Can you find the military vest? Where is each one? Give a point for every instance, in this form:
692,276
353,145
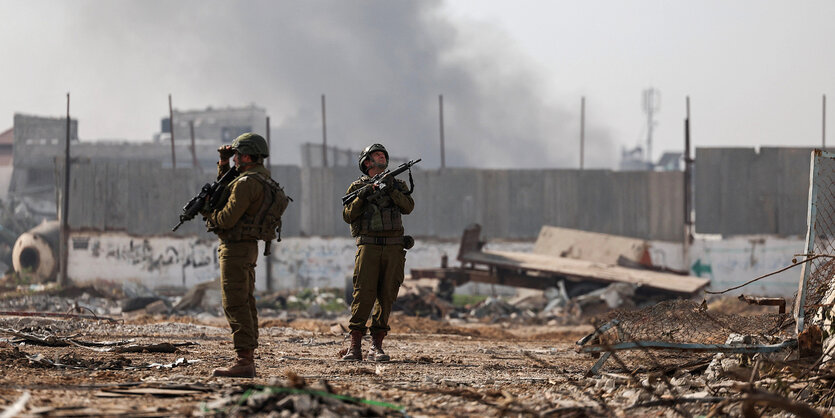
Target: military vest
378,216
265,224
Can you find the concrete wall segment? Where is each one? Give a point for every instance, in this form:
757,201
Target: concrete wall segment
525,204
740,191
142,197
327,262
145,196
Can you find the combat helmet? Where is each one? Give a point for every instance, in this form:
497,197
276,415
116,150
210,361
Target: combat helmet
251,144
367,152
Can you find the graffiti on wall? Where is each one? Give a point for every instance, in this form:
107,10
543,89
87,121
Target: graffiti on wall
329,262
155,257
153,260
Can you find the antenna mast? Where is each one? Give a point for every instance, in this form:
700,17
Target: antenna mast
652,103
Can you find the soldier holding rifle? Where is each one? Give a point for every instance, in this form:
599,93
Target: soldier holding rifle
251,210
374,213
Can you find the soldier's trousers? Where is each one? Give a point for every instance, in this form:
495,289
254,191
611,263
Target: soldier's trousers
237,281
378,274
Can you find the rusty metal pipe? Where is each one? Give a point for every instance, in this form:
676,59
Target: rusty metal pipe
752,300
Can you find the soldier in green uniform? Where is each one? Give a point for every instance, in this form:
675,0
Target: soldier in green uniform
381,251
238,248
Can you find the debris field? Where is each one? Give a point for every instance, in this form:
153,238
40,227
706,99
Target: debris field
160,364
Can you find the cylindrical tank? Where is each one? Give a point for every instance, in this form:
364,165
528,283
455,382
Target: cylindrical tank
35,252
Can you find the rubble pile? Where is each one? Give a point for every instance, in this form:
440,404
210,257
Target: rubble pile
431,298
98,299
494,308
324,303
439,368
729,385
422,301
292,397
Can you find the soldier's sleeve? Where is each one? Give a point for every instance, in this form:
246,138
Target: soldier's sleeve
222,169
241,196
403,201
353,210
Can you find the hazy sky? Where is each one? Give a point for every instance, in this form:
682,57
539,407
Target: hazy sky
512,73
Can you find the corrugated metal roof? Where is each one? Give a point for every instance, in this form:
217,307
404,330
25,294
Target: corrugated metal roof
7,137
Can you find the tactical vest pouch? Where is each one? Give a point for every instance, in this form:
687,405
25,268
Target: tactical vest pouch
382,215
266,224
408,242
376,223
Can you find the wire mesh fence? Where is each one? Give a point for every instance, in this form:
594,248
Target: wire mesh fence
685,321
817,274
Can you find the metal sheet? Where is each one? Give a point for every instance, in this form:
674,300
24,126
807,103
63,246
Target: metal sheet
588,270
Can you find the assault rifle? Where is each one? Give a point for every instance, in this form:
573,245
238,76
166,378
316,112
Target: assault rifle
378,181
212,192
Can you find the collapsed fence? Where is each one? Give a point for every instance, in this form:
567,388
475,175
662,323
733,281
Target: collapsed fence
685,326
817,274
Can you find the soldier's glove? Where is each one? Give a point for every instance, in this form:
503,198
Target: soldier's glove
389,183
226,152
364,193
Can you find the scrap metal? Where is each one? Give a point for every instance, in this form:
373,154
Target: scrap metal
541,271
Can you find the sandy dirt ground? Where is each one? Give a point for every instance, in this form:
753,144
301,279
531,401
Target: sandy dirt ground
437,369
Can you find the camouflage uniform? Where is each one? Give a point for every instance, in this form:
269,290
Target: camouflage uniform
238,249
378,268
238,255
380,257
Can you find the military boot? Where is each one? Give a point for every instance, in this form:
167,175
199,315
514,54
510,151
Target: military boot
244,366
376,352
354,352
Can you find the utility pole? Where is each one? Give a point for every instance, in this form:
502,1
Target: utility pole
269,144
688,192
441,115
65,206
171,124
194,163
823,131
324,135
582,129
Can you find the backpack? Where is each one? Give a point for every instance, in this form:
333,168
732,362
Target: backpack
273,206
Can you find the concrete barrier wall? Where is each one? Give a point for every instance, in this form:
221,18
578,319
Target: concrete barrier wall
321,204
738,191
516,203
141,198
741,191
299,263
144,198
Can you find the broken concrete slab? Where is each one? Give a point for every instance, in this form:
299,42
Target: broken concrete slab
591,246
541,271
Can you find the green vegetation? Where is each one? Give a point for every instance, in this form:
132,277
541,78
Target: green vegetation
329,300
459,300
